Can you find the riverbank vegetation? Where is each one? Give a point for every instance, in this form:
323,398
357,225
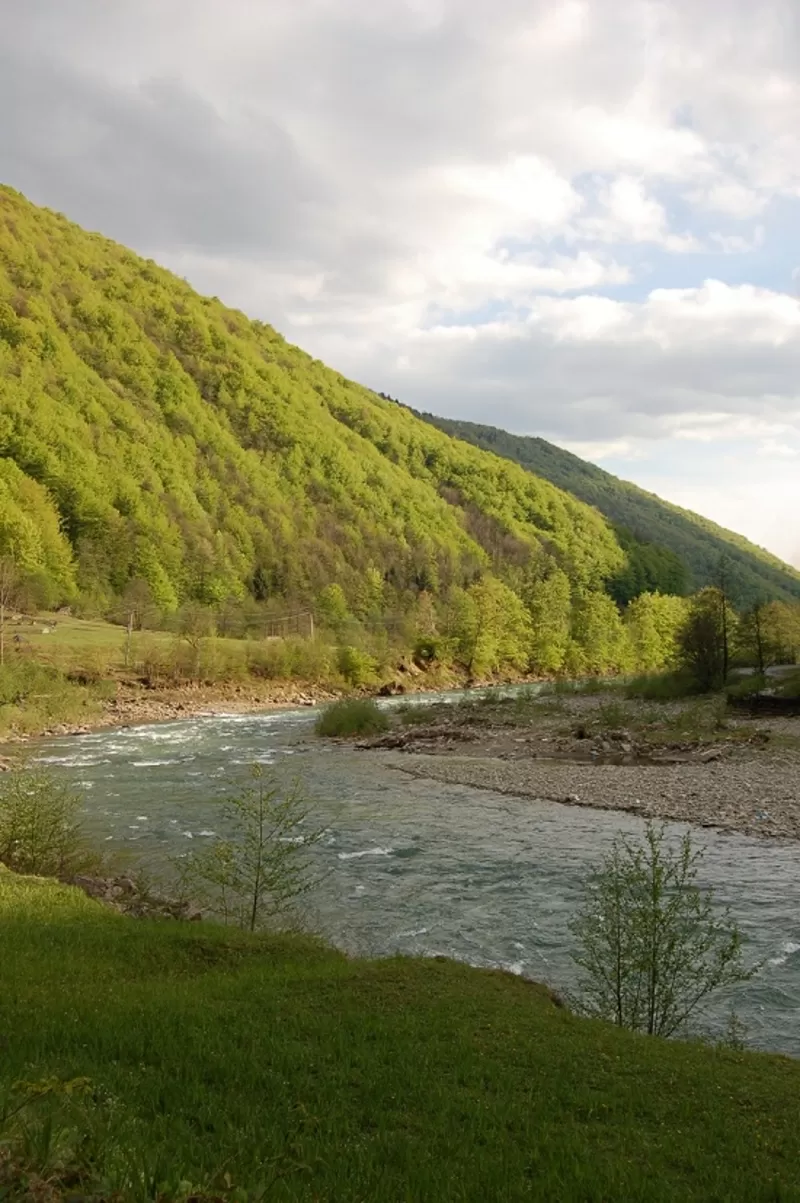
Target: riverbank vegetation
178,1061
61,669
351,717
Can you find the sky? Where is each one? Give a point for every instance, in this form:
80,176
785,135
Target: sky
578,219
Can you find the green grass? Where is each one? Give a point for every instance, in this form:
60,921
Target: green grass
303,1075
350,717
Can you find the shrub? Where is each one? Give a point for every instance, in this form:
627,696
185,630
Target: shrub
357,667
352,716
745,687
416,715
789,687
612,714
427,650
40,831
651,948
258,877
293,658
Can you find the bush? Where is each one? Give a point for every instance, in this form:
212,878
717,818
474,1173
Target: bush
612,715
789,687
651,948
427,650
259,876
34,695
40,830
293,658
352,716
357,667
746,687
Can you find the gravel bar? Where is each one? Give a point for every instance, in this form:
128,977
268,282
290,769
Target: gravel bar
758,797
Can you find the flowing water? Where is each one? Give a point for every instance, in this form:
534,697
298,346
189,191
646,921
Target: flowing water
420,867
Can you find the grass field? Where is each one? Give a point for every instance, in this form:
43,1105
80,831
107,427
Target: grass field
63,670
67,643
220,1065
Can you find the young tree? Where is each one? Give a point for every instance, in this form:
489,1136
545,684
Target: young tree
650,945
40,829
260,872
196,625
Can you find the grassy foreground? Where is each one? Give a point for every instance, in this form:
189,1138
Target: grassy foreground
221,1064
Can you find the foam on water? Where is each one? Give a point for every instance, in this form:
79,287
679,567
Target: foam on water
155,764
788,950
365,852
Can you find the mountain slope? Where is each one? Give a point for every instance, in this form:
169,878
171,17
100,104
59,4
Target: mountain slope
752,572
148,433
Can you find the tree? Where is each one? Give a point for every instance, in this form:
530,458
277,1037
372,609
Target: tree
653,621
10,583
549,605
702,640
782,623
753,642
260,872
196,626
332,609
490,627
722,590
650,945
598,632
40,830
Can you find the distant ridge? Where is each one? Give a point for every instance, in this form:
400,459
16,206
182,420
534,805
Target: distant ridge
753,573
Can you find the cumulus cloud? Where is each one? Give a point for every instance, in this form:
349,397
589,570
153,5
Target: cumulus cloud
557,218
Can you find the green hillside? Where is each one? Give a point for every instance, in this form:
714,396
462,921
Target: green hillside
754,574
149,433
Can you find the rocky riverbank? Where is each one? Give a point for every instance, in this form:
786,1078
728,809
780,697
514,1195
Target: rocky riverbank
686,762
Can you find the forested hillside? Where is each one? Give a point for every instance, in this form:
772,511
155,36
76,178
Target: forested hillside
160,452
698,543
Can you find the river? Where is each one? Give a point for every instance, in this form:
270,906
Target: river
425,868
